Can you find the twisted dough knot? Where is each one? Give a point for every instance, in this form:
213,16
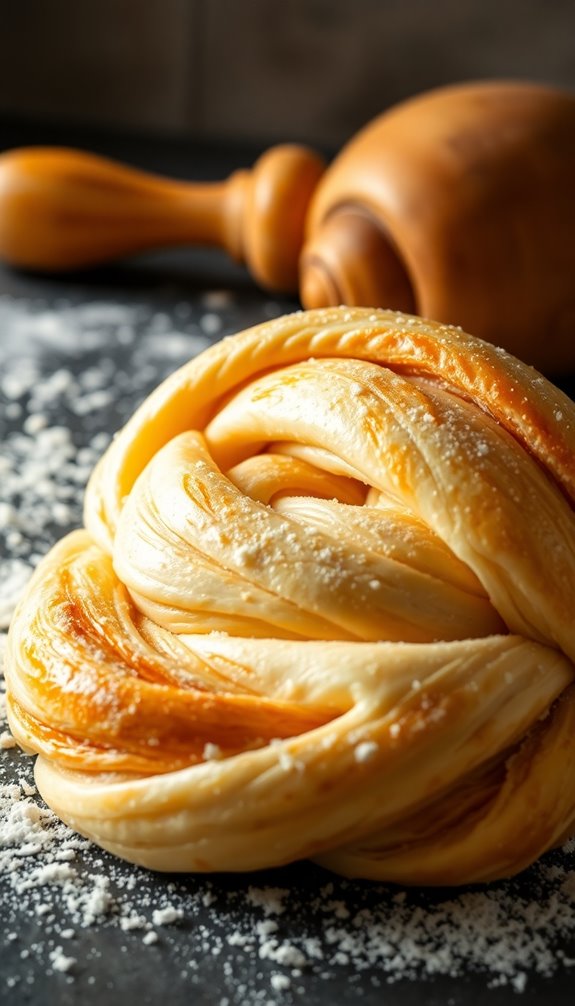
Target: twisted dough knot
323,608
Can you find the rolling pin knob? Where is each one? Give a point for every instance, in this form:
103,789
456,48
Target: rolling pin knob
266,213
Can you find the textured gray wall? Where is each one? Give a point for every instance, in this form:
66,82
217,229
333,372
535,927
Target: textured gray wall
264,69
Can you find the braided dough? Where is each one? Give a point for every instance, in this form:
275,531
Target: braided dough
323,608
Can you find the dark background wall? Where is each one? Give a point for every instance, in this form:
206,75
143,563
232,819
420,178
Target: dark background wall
263,70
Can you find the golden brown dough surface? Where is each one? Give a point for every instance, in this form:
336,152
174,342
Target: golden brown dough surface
323,608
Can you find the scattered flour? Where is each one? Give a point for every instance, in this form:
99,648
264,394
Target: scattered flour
165,916
59,961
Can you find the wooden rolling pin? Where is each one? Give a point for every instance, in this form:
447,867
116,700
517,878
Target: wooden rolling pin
458,205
